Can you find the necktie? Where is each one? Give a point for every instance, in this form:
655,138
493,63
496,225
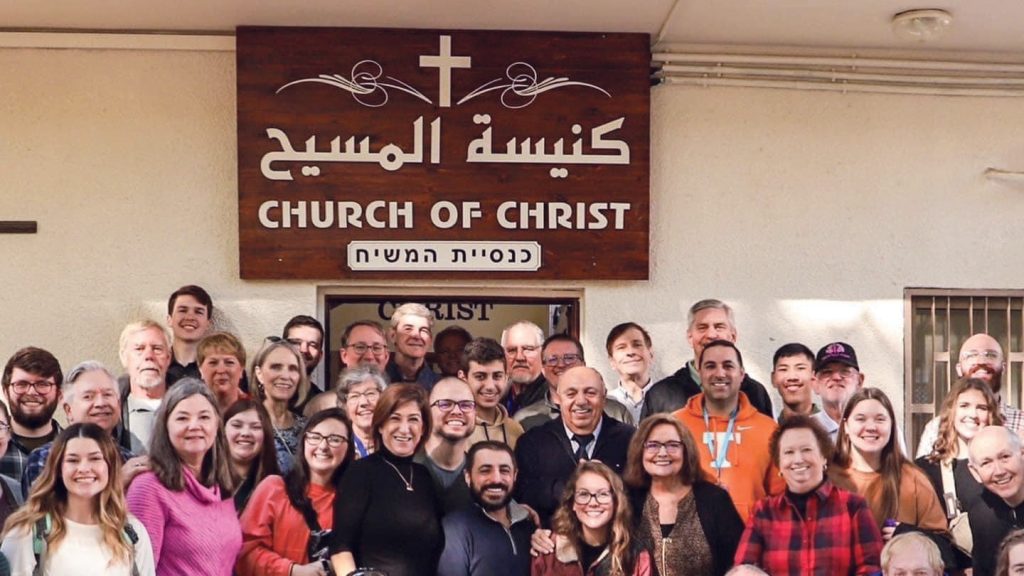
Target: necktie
582,440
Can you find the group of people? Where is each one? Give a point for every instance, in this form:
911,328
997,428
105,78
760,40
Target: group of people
513,457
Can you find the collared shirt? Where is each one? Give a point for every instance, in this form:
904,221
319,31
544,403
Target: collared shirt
15,459
37,460
176,371
590,445
622,396
141,416
837,536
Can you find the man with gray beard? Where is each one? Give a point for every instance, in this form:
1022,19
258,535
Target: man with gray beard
145,354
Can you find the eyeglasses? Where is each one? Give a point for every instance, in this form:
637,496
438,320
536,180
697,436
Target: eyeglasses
449,405
370,396
526,350
654,447
844,372
361,348
333,440
584,497
564,360
976,354
309,343
40,386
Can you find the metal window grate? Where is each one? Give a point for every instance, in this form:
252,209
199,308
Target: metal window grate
937,323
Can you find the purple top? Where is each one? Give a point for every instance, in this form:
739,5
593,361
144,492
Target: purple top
194,532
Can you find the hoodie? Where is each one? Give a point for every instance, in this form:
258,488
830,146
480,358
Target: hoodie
747,472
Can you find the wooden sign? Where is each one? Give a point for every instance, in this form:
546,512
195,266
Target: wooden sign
411,154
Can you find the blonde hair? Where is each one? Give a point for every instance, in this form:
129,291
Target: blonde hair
140,326
49,496
909,541
620,540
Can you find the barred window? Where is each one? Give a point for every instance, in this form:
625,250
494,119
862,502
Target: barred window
938,322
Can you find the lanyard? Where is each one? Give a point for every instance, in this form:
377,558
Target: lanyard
719,458
360,448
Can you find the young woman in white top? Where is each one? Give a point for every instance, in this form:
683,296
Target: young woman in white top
77,513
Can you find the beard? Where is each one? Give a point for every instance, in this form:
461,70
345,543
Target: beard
995,380
487,505
450,437
33,420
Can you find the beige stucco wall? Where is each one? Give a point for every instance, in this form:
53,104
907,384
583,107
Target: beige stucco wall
809,211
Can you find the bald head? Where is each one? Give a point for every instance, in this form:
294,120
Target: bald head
981,357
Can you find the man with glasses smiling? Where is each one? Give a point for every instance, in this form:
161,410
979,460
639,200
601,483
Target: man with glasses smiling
453,418
559,353
31,383
363,343
522,342
981,357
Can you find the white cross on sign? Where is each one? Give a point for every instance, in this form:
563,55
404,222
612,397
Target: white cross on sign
444,62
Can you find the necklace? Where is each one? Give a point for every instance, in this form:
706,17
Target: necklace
412,472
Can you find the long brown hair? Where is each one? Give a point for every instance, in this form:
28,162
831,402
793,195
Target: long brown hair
636,477
164,459
620,540
886,488
947,445
265,463
49,496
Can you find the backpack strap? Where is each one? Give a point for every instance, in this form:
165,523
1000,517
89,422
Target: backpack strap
39,533
132,537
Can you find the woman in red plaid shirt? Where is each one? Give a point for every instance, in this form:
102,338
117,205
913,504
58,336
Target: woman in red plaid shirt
814,527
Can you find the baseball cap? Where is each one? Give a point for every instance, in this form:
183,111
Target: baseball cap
836,352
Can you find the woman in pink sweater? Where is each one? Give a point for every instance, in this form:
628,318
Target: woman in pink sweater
285,527
193,529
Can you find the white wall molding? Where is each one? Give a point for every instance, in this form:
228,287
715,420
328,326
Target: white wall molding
78,40
839,74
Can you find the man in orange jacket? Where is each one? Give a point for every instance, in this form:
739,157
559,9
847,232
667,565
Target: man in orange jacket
731,435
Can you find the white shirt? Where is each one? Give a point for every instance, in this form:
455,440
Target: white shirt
622,396
590,445
81,552
141,418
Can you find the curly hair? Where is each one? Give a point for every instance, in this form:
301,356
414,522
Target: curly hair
49,496
620,540
947,445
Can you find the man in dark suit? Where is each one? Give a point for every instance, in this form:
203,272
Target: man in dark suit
547,455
